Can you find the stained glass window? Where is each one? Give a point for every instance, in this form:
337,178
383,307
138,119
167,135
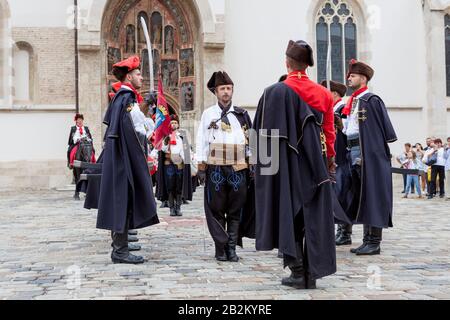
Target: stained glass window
335,24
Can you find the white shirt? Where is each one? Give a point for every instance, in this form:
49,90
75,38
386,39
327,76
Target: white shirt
175,149
440,156
351,124
143,125
78,136
206,136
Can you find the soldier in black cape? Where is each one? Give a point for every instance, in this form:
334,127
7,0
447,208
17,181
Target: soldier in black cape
294,194
343,184
222,156
175,170
369,131
126,192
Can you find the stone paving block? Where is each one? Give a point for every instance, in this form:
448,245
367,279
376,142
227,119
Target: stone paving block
56,243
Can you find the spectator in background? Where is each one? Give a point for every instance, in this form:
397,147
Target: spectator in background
429,144
447,167
402,159
412,179
437,168
420,153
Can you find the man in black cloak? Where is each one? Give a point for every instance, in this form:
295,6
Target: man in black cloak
176,169
369,131
294,204
126,192
222,157
343,184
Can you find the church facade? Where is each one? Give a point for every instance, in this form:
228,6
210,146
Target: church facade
49,69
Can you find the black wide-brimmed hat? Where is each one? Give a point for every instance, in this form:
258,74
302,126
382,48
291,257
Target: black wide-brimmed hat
219,78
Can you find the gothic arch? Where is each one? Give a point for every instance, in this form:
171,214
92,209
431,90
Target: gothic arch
362,32
172,24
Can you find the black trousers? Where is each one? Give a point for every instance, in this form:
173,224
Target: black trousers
173,179
435,171
300,240
227,194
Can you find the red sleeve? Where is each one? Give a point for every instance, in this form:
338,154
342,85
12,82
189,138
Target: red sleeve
329,130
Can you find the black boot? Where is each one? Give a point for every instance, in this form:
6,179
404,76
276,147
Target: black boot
339,231
373,245
134,247
178,206
233,235
365,239
76,196
346,235
297,278
164,204
173,212
121,252
220,253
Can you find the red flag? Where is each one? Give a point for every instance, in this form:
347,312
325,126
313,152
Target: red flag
162,121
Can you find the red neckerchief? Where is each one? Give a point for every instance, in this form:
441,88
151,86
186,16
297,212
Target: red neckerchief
139,98
81,130
340,99
348,108
173,139
116,87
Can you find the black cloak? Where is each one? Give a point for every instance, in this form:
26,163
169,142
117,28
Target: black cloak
300,185
374,206
126,185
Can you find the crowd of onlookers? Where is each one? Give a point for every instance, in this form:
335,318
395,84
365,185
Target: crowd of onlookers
429,168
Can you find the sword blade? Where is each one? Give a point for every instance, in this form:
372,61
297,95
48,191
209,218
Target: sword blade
150,54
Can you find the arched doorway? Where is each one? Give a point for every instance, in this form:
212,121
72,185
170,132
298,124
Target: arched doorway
173,31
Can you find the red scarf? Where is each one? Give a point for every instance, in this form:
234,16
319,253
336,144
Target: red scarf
173,139
348,108
139,98
81,130
116,87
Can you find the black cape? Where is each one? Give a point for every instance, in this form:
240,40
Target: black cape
187,189
247,219
375,206
301,185
126,185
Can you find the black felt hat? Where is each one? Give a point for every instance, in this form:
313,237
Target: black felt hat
219,78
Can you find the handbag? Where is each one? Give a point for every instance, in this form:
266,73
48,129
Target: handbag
432,160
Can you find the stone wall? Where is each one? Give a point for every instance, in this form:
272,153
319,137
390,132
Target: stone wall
54,63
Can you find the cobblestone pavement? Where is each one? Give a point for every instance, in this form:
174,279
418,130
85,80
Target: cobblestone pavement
49,249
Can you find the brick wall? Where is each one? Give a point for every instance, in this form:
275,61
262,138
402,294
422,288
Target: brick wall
54,61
